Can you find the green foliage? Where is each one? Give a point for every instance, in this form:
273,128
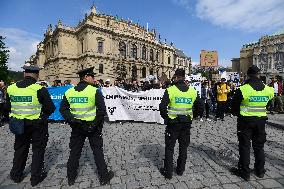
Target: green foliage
4,56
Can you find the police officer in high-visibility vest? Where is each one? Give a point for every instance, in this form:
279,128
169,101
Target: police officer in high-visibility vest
84,109
249,104
29,104
176,108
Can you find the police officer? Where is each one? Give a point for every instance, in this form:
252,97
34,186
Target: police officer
30,103
84,109
176,108
249,104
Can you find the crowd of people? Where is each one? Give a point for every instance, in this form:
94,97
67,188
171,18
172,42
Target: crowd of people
216,96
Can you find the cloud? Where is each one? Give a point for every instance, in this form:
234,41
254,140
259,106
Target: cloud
247,15
21,44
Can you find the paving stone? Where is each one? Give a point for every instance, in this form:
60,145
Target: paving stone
118,186
231,186
256,185
85,184
180,185
194,184
270,183
167,186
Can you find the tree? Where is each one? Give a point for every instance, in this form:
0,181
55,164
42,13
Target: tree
4,56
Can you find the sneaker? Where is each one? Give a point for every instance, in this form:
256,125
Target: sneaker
239,173
106,180
201,120
41,178
207,119
166,175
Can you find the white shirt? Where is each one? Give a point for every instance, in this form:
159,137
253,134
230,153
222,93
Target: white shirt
275,87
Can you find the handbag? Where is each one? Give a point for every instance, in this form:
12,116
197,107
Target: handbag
16,126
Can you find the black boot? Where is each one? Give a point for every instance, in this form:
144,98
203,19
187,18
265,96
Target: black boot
165,174
107,178
240,173
39,180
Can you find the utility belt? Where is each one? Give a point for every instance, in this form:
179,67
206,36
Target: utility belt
88,126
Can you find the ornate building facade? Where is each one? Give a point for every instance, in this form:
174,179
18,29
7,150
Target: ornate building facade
267,53
116,48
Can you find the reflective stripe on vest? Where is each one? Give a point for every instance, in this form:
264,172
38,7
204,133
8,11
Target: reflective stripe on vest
82,103
24,102
181,102
254,102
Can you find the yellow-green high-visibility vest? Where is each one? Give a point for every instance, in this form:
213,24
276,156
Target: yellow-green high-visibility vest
24,102
254,103
181,102
82,103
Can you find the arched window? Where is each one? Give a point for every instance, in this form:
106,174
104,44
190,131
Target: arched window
134,51
143,53
101,68
169,60
151,55
122,49
143,72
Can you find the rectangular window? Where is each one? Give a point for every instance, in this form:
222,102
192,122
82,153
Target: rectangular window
100,47
82,46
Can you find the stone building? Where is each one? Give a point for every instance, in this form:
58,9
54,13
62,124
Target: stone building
267,53
118,49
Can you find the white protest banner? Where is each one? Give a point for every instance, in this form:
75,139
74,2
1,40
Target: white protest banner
196,86
126,105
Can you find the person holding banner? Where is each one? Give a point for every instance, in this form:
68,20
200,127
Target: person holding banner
84,109
30,106
176,108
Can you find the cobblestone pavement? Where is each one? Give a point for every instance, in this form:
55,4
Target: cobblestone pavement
135,151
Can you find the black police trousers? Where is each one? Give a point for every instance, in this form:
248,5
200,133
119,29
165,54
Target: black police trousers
251,131
76,144
35,133
180,132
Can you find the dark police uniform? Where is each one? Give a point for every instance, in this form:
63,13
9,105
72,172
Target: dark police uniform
249,104
35,115
84,109
176,110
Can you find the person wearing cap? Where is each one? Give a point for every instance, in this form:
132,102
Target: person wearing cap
222,97
30,104
249,104
84,109
176,108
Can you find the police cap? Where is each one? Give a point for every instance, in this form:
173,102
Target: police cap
180,72
253,70
31,68
87,71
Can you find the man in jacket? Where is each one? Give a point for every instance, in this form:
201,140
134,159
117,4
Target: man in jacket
31,103
176,110
249,104
83,108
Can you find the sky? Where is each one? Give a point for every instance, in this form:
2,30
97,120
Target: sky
192,25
